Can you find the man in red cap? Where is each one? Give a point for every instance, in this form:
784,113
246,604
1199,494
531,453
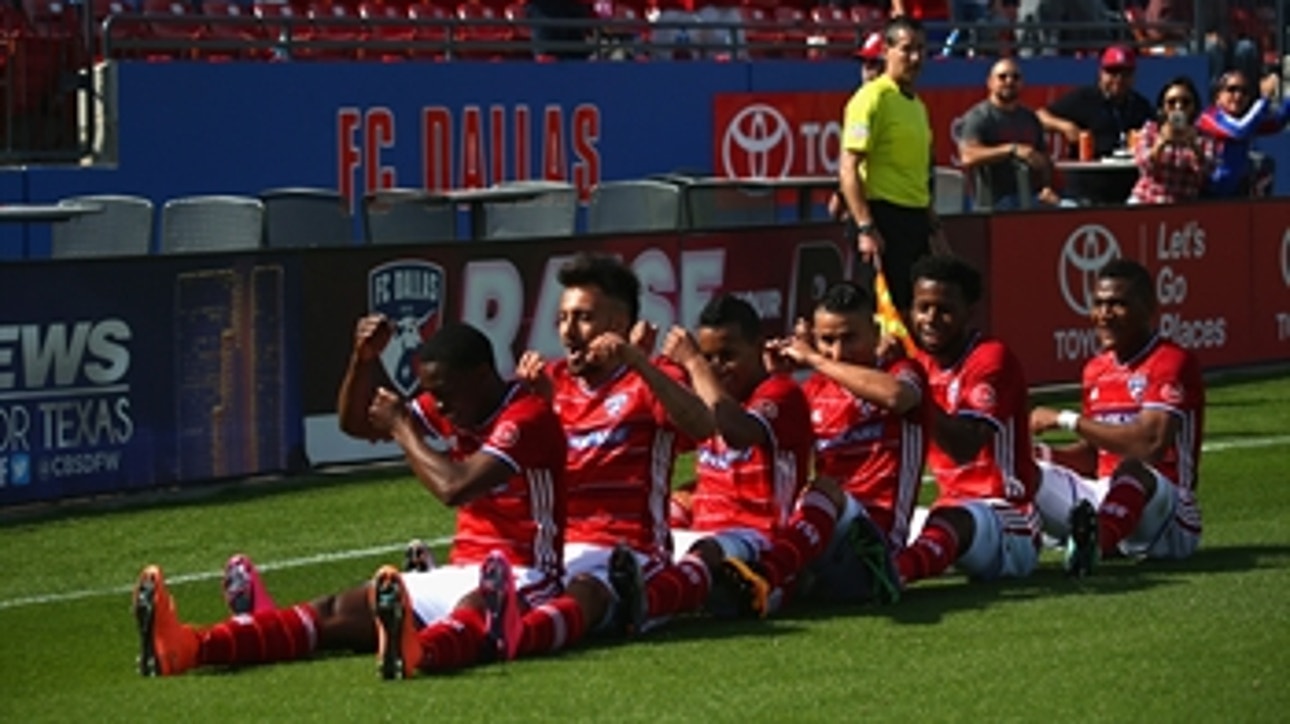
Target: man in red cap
872,56
1108,110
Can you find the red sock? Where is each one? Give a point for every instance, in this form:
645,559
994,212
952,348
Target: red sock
1120,512
283,634
554,625
933,552
678,588
803,540
453,641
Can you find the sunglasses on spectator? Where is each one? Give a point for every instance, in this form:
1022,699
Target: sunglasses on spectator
1008,76
1118,70
1178,102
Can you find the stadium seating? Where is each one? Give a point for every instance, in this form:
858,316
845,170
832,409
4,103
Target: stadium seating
634,206
123,227
232,33
211,223
305,217
408,216
430,30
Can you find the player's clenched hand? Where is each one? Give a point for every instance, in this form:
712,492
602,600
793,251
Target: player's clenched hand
869,244
609,348
385,411
371,334
1043,419
797,348
531,370
644,336
680,347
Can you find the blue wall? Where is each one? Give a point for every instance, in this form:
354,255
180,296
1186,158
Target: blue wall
190,128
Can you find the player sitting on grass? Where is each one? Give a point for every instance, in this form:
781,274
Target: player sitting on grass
750,472
487,447
1128,484
624,415
982,521
870,413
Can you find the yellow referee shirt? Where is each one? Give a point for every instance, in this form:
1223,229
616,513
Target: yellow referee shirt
891,130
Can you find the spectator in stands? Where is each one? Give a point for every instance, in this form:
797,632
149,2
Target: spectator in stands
550,37
1213,24
1036,19
1108,110
1233,121
1173,158
872,56
885,164
1003,144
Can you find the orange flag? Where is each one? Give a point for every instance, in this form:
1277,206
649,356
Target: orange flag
888,317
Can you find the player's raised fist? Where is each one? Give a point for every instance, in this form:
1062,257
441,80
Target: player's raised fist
371,334
680,346
385,410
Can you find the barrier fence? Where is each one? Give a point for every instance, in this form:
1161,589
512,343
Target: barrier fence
218,365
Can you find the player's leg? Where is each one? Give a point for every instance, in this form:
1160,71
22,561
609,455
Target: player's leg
435,620
586,604
768,579
1145,514
1004,543
1060,490
168,646
948,530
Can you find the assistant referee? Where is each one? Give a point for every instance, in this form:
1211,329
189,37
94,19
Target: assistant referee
886,165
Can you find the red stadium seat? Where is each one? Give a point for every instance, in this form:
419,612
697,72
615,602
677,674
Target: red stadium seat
389,31
336,31
230,31
430,30
764,36
281,22
53,18
832,28
174,25
480,34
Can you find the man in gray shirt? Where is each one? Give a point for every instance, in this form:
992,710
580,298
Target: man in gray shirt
1001,140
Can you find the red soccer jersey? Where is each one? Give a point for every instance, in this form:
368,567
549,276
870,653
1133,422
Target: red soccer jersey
986,383
876,455
621,450
525,517
756,487
1162,376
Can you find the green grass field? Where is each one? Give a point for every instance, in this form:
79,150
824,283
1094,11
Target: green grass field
1207,639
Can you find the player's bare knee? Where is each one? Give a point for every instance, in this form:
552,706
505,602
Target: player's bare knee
958,520
593,598
710,552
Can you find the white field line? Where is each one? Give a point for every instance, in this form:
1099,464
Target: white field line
1210,447
181,578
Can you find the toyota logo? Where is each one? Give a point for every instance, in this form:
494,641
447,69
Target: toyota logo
1285,257
758,143
1087,250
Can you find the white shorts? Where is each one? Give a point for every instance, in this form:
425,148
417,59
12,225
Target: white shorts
1006,543
746,544
436,592
592,560
1170,526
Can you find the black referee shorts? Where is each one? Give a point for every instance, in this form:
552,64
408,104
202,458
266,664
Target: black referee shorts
905,232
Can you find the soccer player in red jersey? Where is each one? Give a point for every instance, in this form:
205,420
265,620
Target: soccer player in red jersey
870,415
625,415
485,446
983,520
750,473
1128,484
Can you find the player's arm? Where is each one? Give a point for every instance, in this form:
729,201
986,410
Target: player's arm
683,407
1079,455
736,425
1147,437
454,483
531,370
358,388
871,385
960,436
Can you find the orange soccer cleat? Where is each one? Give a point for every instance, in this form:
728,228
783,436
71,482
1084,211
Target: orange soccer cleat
167,647
398,652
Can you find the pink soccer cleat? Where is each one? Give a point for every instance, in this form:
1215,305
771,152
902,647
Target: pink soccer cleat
244,592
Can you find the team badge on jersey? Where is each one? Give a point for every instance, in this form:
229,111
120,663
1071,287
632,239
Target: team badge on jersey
982,397
505,435
1137,387
410,293
615,404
